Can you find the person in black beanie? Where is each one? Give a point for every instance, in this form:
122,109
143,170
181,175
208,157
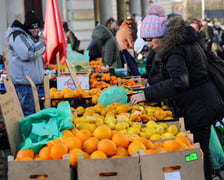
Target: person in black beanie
25,49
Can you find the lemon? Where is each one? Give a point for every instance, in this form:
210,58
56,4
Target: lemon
167,135
121,125
155,137
80,110
74,131
172,129
159,129
165,126
133,131
112,125
181,134
137,125
85,126
123,131
150,124
99,122
149,133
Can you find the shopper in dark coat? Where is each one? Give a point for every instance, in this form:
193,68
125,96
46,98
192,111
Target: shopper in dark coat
110,51
186,78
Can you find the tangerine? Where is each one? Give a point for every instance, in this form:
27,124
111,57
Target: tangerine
121,152
72,142
83,135
90,145
58,150
24,153
102,132
183,139
107,146
171,145
73,156
98,155
120,140
44,153
135,146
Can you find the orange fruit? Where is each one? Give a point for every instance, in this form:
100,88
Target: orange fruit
158,144
122,109
24,159
102,132
150,151
55,141
120,140
160,114
98,155
135,146
95,99
107,146
41,177
183,139
171,145
83,135
72,142
58,95
25,154
67,132
73,156
143,140
121,152
44,153
58,150
90,145
86,155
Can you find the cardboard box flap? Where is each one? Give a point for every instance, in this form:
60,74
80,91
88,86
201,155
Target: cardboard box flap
110,169
12,113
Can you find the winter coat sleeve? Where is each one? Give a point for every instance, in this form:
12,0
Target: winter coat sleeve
178,80
27,50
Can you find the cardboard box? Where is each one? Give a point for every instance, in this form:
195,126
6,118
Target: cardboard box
188,163
126,168
67,82
25,170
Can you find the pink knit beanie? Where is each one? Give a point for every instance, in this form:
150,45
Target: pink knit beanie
154,24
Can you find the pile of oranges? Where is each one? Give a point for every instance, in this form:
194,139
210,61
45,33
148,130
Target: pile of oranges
101,143
102,80
93,95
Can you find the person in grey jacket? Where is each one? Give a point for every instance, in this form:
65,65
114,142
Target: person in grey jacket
25,49
110,51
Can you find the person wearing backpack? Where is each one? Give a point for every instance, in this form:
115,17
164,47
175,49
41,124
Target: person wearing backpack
186,77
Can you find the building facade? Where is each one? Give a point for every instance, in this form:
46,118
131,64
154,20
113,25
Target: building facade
81,15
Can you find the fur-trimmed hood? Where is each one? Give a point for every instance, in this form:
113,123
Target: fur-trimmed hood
178,33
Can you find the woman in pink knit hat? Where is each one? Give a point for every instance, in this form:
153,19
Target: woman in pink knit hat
186,79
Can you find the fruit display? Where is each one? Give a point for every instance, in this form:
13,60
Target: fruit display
101,133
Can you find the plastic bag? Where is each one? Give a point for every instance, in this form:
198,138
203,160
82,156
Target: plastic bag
77,58
45,125
111,95
216,151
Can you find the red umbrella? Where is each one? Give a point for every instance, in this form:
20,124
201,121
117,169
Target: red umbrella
54,32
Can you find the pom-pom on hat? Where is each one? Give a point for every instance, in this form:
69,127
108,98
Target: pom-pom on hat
32,21
139,45
154,24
